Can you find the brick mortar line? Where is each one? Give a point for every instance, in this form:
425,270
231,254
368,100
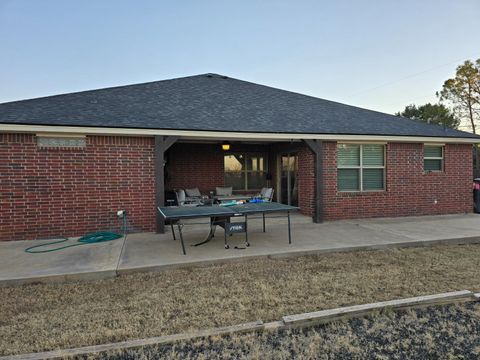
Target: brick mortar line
289,321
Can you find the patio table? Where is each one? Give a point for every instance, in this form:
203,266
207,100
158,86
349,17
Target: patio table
221,216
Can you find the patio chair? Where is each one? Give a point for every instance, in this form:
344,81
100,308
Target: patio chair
184,200
266,194
224,191
193,194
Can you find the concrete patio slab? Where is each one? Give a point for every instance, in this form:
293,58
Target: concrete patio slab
150,252
84,262
153,252
426,227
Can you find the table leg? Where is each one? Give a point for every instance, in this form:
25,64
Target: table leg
247,244
212,229
181,238
225,239
289,230
263,215
173,231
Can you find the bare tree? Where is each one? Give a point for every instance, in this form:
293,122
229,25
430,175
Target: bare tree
463,92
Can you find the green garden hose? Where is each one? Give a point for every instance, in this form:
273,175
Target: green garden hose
93,238
96,237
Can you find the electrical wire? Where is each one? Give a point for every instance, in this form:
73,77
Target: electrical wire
358,93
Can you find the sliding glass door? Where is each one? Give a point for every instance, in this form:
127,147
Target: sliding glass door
288,183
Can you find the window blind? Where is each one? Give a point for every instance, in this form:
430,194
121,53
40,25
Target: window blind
361,167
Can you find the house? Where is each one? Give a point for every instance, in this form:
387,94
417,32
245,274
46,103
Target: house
69,162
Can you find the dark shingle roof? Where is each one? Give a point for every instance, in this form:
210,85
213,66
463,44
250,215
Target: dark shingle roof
213,103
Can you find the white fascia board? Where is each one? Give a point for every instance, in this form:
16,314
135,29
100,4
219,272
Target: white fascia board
222,135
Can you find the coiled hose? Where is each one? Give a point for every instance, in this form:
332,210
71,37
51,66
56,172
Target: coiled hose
93,238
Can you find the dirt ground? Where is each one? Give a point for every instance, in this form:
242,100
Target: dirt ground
445,332
52,316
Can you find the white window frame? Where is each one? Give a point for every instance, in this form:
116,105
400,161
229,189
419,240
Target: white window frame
361,167
442,158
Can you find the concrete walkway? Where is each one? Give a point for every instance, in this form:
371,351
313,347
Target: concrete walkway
152,252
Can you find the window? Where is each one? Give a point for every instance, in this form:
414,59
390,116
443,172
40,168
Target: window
433,158
360,167
245,171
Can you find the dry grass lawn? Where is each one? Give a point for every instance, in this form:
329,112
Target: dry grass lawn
44,317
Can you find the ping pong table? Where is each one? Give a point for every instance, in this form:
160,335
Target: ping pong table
221,216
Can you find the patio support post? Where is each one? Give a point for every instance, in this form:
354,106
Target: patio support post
162,143
317,148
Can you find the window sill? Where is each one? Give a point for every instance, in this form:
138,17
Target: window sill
358,192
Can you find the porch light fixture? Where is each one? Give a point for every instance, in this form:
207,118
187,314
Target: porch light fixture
225,146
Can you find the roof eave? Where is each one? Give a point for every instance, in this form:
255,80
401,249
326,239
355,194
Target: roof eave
227,135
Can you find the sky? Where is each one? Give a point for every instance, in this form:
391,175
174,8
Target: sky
378,54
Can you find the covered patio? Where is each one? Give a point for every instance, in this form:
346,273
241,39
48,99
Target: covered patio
245,166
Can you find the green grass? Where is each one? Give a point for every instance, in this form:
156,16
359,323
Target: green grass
51,316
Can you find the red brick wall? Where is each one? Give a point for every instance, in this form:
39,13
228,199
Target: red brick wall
409,191
50,192
195,165
306,181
